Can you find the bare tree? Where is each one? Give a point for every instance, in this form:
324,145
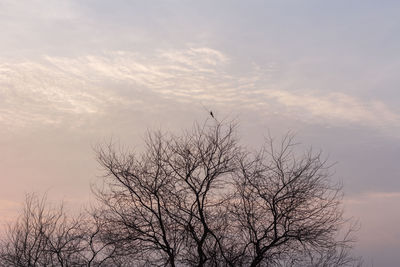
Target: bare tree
42,236
200,199
46,236
160,206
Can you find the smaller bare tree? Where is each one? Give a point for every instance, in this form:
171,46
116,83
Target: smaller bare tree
46,236
42,236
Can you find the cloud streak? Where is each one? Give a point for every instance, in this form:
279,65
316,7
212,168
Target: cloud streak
45,91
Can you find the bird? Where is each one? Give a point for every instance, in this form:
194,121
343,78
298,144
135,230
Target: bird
212,114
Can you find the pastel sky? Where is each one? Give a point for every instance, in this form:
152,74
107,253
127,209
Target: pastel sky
74,74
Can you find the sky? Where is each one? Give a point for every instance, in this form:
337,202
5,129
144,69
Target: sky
75,74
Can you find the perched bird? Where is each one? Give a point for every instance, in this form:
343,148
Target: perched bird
212,114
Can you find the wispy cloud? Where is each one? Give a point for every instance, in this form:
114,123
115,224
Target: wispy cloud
337,107
368,197
60,86
33,92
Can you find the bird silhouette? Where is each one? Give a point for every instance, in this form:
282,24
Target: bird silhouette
212,114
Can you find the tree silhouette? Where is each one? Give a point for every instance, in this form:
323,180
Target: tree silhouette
195,199
201,199
45,236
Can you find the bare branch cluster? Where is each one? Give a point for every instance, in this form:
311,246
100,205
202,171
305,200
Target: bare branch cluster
46,236
202,200
197,199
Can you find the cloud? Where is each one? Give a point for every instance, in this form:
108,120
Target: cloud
56,87
337,107
368,197
33,92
